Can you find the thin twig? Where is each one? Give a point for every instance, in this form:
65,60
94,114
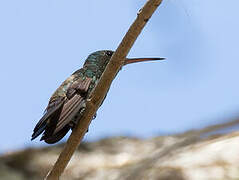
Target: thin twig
101,89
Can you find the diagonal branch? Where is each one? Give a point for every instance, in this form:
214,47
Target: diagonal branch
102,87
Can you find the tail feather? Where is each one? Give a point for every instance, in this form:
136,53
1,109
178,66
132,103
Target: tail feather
38,131
48,120
57,136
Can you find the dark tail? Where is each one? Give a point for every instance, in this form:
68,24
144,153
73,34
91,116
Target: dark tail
37,132
57,136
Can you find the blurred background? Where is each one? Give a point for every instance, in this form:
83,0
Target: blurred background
43,42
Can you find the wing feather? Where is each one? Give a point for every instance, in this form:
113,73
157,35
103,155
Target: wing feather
60,112
71,108
53,108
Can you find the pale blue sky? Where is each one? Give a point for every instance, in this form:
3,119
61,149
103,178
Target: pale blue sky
43,41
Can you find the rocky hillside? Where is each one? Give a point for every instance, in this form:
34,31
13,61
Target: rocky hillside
162,158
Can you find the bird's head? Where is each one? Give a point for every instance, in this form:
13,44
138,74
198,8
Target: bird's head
101,58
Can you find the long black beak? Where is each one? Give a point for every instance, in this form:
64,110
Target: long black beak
135,60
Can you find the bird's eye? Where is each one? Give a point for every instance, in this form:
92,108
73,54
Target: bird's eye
109,53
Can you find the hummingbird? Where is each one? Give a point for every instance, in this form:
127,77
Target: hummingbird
67,104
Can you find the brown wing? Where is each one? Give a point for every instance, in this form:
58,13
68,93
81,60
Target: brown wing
60,112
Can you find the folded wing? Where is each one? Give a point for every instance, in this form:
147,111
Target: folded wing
62,111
